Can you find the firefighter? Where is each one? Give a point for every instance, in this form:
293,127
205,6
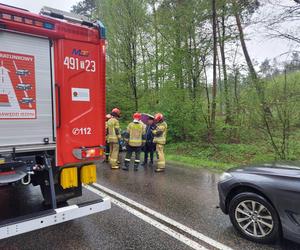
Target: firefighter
149,147
108,116
113,137
135,140
160,136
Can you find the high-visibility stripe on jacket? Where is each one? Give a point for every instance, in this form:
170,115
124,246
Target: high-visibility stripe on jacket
113,130
136,131
106,135
160,133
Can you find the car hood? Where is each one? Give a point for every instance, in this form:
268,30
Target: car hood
282,169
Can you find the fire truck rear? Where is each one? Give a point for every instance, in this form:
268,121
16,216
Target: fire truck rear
52,109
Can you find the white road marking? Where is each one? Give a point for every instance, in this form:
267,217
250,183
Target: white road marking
168,220
158,225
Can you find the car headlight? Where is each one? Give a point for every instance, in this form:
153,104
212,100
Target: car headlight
225,176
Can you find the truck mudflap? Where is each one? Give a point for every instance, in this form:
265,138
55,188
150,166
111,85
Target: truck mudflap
51,217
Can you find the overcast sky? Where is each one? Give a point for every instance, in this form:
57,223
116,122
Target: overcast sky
259,46
36,5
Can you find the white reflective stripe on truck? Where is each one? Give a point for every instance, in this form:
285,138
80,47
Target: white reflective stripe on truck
52,217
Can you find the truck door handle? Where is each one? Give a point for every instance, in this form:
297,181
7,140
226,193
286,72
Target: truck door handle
58,106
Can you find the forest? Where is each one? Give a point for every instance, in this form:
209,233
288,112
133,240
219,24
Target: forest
190,60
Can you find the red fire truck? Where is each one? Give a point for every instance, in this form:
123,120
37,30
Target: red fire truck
52,109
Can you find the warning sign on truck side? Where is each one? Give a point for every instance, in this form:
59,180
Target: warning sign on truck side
17,86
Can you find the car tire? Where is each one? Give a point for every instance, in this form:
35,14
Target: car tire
259,224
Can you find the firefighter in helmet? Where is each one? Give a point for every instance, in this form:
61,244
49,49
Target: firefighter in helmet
160,136
113,137
107,117
135,140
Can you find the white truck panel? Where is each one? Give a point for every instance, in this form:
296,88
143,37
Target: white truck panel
25,90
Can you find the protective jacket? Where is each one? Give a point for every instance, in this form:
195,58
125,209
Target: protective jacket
160,133
113,130
106,135
136,132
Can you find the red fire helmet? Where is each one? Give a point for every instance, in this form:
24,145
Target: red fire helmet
137,116
158,117
116,111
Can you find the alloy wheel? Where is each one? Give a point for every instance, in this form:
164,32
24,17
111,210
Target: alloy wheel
254,218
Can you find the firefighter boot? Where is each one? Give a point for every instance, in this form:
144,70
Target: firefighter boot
136,165
161,163
106,157
126,165
107,152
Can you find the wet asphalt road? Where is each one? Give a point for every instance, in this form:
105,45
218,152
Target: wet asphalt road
186,195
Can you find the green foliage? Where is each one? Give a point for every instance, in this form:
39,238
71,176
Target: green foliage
85,8
159,57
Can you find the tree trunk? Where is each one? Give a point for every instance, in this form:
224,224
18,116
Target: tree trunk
207,117
197,67
243,43
132,53
224,66
219,83
156,46
214,84
134,81
253,74
266,112
237,121
178,47
145,72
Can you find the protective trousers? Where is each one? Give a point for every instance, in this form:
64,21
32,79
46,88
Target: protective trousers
161,163
114,155
130,150
149,149
107,152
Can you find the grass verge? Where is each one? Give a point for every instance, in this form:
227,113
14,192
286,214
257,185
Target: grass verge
197,163
219,157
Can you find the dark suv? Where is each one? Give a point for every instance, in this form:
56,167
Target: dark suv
263,201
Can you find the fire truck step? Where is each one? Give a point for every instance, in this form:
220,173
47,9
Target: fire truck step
51,217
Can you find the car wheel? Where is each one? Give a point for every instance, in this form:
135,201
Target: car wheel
254,217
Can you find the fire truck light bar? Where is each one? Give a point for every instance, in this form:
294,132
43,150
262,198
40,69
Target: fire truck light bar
19,19
55,13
